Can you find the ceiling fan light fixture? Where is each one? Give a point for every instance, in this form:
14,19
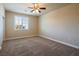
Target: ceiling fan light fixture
35,11
36,8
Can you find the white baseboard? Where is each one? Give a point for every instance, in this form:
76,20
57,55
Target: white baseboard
19,37
68,44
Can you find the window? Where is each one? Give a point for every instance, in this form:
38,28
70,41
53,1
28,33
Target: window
21,23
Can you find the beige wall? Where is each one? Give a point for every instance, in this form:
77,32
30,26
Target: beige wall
61,24
11,33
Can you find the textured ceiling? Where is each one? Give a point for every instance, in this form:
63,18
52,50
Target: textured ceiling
23,7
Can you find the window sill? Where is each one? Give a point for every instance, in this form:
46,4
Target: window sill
21,29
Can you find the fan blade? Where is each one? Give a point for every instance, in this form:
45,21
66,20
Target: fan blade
42,8
30,7
32,10
39,11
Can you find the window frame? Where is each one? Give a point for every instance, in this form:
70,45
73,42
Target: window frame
27,25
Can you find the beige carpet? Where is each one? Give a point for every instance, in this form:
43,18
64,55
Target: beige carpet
36,46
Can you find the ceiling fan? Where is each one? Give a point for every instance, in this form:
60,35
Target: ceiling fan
36,8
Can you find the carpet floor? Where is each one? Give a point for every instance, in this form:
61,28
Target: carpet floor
36,46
